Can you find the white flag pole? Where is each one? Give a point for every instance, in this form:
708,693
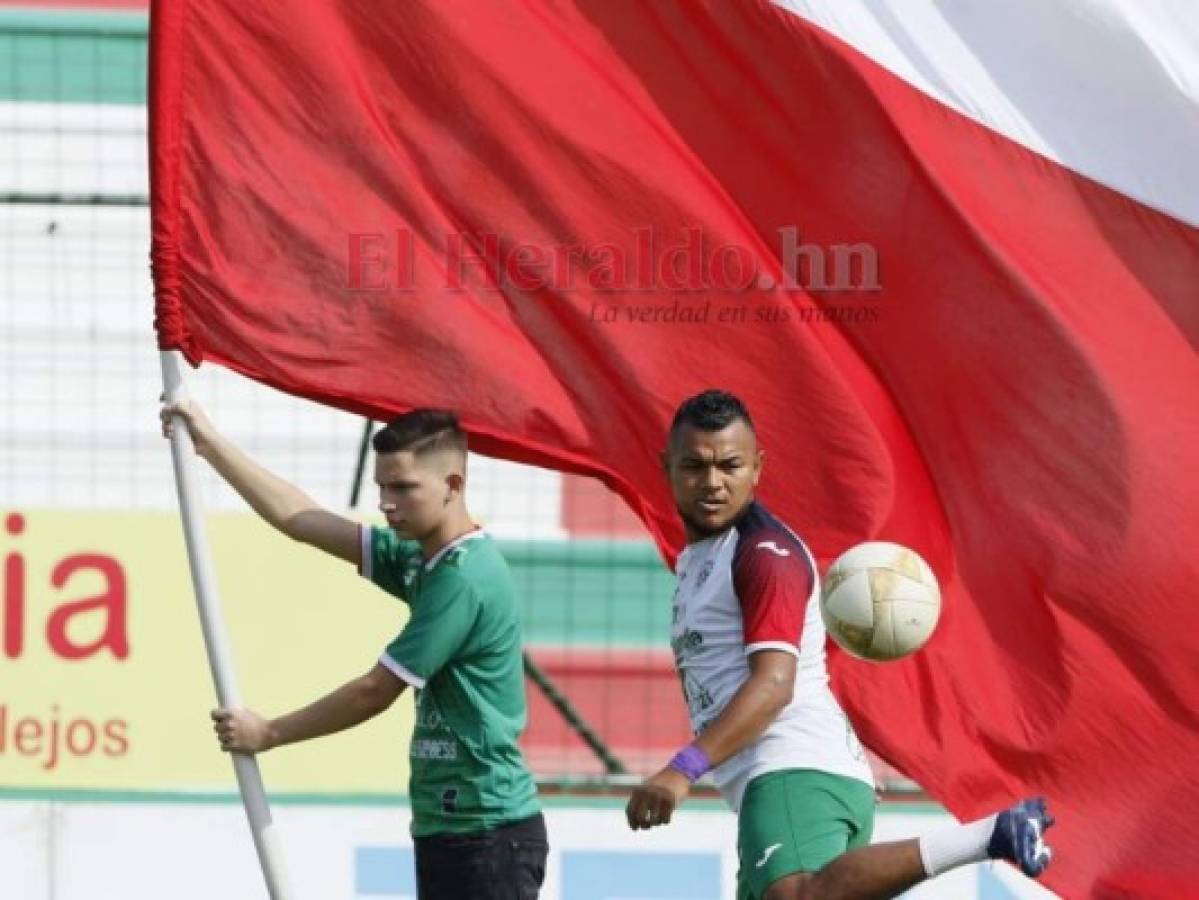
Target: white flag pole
220,661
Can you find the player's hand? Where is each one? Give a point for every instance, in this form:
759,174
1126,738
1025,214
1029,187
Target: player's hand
242,731
202,431
655,800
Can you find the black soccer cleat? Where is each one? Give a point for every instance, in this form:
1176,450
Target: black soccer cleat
1019,836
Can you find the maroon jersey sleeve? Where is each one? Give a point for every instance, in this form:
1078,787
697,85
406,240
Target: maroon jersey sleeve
773,580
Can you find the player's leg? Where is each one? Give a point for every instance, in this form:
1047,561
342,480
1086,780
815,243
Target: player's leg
878,871
504,863
884,870
797,821
455,866
520,860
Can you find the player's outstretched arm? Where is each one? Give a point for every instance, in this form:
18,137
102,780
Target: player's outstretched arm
281,503
245,731
755,705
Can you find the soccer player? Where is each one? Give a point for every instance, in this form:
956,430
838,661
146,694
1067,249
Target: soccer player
749,646
476,822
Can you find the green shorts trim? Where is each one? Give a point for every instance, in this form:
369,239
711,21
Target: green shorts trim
798,820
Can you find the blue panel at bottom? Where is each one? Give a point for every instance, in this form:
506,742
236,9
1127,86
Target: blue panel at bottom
388,871
588,875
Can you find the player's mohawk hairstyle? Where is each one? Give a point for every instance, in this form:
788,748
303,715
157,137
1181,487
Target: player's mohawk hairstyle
711,411
421,431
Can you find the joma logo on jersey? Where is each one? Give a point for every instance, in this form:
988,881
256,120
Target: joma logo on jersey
704,573
773,548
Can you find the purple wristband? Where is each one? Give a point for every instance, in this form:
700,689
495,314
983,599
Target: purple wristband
692,762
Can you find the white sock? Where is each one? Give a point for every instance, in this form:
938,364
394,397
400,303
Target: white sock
956,845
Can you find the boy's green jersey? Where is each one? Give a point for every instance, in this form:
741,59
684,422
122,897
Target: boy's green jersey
461,650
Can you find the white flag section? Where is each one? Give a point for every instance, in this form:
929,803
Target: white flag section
1108,88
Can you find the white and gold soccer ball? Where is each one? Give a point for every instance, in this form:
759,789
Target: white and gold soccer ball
880,601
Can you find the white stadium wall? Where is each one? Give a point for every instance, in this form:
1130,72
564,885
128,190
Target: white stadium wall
198,850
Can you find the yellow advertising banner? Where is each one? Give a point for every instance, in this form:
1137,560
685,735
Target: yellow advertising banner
104,683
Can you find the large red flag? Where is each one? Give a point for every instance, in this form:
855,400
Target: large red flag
562,218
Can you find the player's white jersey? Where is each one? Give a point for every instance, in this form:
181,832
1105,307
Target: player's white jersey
754,587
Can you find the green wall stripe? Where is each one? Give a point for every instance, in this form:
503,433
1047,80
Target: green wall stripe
611,594
104,23
49,56
584,553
